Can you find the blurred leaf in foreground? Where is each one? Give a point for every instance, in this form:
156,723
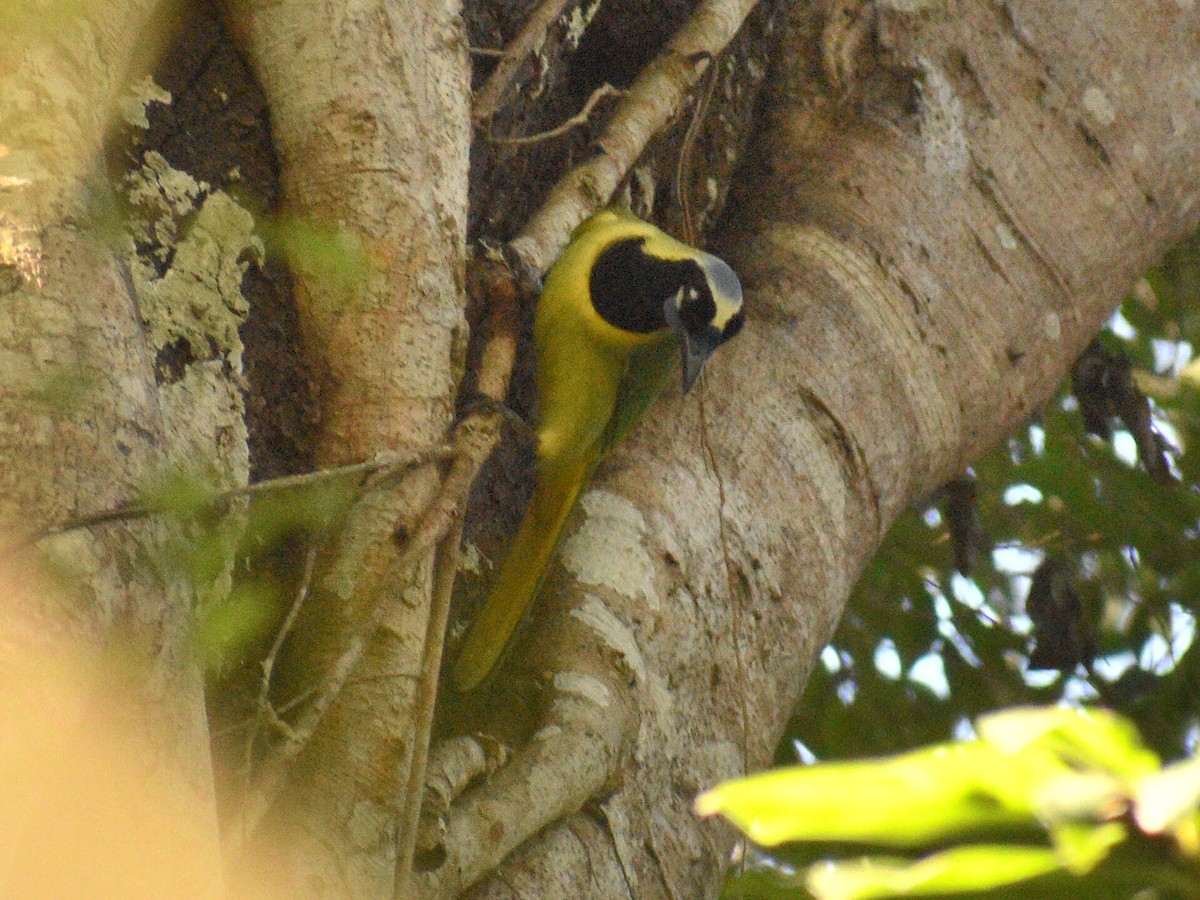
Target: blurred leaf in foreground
1068,795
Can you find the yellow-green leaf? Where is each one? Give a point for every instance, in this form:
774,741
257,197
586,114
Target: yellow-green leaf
901,801
1083,738
1082,847
1164,799
961,870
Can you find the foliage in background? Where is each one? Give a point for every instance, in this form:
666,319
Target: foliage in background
1129,544
1046,802
1123,544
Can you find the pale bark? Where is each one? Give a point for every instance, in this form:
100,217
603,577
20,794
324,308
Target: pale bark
927,240
923,262
370,114
86,425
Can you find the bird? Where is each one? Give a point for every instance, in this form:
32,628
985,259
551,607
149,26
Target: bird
619,306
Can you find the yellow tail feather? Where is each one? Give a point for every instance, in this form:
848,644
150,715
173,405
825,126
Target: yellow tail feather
556,492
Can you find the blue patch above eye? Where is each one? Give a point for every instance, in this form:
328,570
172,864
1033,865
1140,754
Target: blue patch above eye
724,279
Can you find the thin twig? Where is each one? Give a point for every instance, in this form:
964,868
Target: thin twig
435,521
263,704
384,464
448,558
683,165
737,613
490,97
580,118
496,281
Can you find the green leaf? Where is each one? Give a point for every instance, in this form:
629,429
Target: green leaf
1082,847
327,252
179,493
1082,738
904,801
961,870
1076,796
225,628
1165,799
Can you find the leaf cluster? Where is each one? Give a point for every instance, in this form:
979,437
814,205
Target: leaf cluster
1043,801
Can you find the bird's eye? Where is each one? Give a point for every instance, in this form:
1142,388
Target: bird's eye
697,312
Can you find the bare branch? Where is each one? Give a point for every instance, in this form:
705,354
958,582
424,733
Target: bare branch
436,521
491,96
386,466
580,118
474,439
494,279
448,558
683,166
263,706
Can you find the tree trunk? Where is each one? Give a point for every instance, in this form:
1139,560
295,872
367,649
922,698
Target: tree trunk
923,260
939,204
91,419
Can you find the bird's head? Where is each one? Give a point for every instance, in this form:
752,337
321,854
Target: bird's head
644,281
704,312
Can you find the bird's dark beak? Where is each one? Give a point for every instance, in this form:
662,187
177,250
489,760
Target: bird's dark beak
695,347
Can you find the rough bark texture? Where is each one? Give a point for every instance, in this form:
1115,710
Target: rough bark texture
923,261
369,112
942,202
86,423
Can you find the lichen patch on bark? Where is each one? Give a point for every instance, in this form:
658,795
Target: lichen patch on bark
198,298
132,107
612,631
608,549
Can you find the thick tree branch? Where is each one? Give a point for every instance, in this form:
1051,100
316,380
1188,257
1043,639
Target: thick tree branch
567,762
369,108
921,270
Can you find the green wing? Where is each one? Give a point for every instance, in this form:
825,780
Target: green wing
647,374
